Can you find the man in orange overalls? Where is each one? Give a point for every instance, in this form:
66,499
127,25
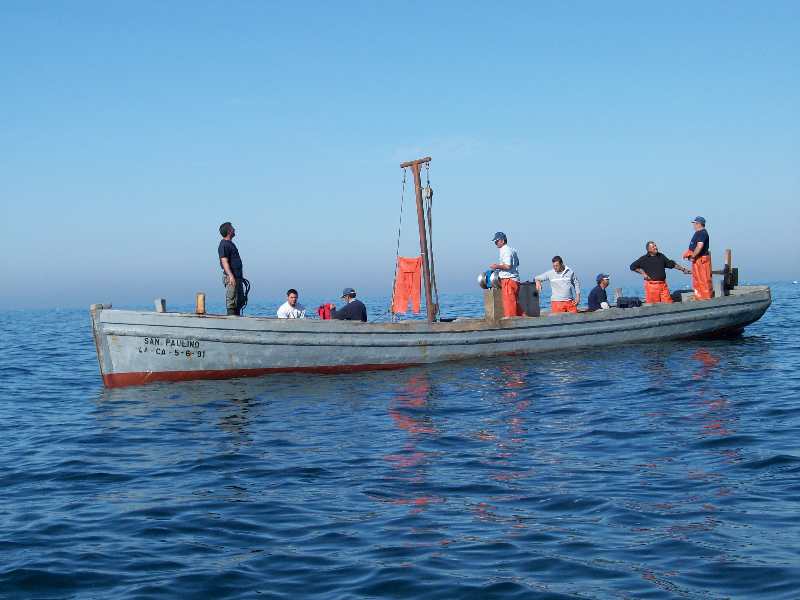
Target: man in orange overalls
700,256
564,285
652,266
508,271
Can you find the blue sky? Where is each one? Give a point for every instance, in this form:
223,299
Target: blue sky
130,131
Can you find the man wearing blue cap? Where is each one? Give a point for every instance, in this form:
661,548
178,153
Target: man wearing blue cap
353,310
508,272
598,299
699,254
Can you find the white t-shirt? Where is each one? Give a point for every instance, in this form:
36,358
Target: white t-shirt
565,285
508,256
287,311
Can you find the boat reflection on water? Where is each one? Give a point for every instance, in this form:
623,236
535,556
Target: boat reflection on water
510,394
717,420
407,410
716,415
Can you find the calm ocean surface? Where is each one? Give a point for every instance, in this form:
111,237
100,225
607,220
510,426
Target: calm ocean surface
651,471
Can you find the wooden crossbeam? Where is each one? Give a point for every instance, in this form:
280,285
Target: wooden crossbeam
419,161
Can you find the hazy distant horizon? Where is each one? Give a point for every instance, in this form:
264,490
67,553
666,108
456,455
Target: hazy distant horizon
376,303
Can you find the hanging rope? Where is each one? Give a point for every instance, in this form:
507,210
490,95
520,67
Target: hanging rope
429,208
397,251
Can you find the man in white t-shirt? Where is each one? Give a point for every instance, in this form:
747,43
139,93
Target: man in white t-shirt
291,309
566,289
509,275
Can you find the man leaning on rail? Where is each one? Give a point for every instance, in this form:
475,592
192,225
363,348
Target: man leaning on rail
564,285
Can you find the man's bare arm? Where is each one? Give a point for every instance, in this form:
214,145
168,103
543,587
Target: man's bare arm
500,266
226,266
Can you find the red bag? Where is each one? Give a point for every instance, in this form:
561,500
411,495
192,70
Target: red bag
324,311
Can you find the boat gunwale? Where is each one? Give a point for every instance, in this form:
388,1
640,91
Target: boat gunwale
467,325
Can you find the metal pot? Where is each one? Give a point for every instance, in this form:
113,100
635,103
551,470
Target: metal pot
489,279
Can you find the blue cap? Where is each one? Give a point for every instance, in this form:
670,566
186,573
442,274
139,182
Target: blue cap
601,276
499,236
348,292
700,220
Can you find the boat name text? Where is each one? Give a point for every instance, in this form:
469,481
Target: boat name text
167,346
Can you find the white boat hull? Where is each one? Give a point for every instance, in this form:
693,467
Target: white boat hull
136,347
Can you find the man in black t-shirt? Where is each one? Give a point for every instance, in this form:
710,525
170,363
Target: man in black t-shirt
232,270
652,266
353,310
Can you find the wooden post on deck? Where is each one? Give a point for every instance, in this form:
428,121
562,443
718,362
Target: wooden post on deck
730,274
415,165
493,304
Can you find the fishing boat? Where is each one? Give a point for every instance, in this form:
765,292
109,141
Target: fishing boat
139,347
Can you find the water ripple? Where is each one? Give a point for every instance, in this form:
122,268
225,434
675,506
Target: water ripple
650,471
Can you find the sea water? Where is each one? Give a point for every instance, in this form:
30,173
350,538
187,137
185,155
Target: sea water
649,471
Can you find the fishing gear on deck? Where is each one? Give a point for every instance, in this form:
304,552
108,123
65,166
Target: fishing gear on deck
628,302
489,279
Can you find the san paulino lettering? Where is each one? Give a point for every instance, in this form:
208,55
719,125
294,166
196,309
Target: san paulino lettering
182,343
178,347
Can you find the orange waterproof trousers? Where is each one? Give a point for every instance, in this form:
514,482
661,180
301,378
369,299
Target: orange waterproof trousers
701,278
656,291
563,306
510,289
408,278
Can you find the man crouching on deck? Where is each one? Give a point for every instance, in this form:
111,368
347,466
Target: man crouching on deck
652,266
509,276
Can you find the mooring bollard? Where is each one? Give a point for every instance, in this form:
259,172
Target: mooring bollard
493,304
200,303
161,304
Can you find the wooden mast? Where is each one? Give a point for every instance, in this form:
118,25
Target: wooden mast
415,165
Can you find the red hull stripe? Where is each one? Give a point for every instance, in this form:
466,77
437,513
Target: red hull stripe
142,377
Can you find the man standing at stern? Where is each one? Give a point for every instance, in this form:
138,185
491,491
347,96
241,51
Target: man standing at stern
232,270
564,285
652,266
700,256
509,275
